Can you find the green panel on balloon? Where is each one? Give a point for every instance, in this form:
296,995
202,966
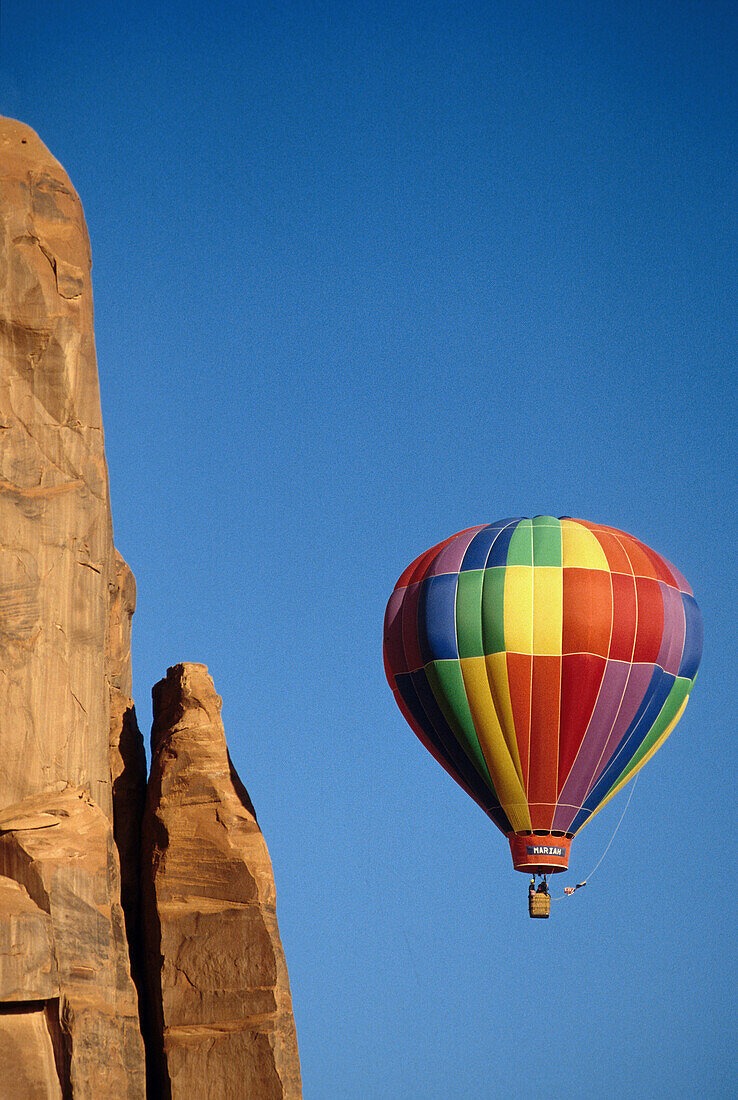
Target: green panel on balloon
574,733
493,603
546,541
520,550
680,689
469,613
447,684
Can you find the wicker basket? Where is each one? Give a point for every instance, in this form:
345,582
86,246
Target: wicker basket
539,905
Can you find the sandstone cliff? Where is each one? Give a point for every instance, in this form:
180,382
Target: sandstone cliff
213,1001
59,848
58,570
56,540
218,986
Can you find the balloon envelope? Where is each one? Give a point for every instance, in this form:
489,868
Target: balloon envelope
542,662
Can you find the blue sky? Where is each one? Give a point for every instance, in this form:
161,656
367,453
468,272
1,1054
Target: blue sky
366,274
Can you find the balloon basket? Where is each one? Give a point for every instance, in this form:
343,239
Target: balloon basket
539,905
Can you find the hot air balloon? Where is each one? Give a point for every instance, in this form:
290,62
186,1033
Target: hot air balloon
542,662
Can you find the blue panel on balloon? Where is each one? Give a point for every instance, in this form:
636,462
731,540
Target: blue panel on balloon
479,547
437,618
692,638
499,548
420,700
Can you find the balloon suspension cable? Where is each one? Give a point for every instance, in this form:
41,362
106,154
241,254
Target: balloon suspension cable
607,849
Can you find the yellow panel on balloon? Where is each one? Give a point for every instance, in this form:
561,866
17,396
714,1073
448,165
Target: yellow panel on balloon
518,609
500,687
548,609
580,548
501,765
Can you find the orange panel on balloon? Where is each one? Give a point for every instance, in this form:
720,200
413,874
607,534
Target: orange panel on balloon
587,611
642,564
617,559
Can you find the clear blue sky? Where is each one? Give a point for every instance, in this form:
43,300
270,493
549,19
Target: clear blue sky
366,274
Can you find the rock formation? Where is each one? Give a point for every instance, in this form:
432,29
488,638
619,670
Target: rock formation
59,848
56,539
72,763
218,986
57,569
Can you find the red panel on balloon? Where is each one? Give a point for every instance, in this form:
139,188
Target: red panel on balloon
581,677
624,618
394,650
410,642
662,569
544,737
650,621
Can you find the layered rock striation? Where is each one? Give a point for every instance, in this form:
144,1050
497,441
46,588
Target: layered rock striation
211,999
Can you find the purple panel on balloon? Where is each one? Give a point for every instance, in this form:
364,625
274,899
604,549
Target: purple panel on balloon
635,689
680,578
593,744
672,642
393,648
450,558
410,643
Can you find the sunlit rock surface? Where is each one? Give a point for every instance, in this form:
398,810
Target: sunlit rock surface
56,541
219,991
217,1019
60,850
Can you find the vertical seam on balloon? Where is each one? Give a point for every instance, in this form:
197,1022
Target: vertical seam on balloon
663,671
684,633
561,678
617,787
684,639
627,681
431,558
530,690
505,747
517,767
493,792
607,661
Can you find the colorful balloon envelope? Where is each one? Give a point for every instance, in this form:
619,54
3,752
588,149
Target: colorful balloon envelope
542,662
